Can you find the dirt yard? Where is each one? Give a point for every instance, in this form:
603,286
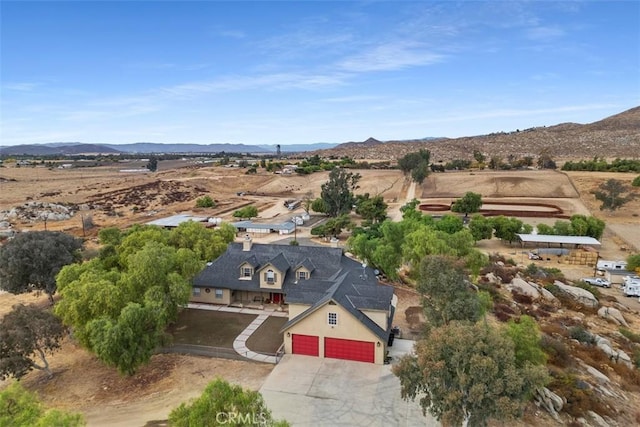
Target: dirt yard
114,198
82,383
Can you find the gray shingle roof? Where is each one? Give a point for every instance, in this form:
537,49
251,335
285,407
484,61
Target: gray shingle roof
343,292
252,261
280,262
335,278
306,263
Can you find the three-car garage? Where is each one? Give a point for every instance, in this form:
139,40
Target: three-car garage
335,348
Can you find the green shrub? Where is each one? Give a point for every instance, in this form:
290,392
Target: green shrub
579,395
632,336
587,287
581,334
205,202
636,181
556,350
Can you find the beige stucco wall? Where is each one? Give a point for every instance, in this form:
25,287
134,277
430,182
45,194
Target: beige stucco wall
348,327
380,317
296,309
278,277
210,297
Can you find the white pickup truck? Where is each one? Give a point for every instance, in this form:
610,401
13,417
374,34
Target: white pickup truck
597,281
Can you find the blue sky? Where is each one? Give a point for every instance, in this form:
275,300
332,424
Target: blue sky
309,71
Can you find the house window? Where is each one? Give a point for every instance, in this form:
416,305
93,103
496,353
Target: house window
270,277
302,275
218,293
246,272
332,319
196,292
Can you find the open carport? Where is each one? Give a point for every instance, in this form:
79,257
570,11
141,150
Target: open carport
311,391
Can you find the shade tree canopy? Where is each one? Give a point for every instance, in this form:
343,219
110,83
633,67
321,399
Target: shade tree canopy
469,203
27,334
506,228
466,374
633,262
415,165
246,212
223,404
337,193
30,261
20,407
120,303
481,227
371,209
613,194
389,245
446,294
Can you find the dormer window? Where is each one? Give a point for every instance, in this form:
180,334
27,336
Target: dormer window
246,272
303,275
270,277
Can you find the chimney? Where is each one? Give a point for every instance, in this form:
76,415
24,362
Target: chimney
334,242
246,243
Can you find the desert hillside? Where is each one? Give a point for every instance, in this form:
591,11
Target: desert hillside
615,136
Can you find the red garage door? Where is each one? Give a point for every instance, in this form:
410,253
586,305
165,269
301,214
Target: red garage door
305,344
361,351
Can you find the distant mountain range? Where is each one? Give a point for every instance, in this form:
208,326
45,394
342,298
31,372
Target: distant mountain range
76,148
615,136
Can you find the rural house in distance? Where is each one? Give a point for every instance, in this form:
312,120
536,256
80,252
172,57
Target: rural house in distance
337,308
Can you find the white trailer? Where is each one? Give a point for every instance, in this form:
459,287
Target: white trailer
631,287
611,265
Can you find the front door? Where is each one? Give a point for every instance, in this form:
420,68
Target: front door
276,298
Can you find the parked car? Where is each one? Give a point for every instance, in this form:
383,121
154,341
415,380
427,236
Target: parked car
597,281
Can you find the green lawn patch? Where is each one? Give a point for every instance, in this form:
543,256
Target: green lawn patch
267,338
210,328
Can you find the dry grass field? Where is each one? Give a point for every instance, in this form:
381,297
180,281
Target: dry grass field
530,183
114,198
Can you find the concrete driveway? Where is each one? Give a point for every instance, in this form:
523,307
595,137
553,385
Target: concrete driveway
309,391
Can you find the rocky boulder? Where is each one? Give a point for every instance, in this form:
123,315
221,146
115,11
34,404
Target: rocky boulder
597,375
613,315
523,287
549,401
581,296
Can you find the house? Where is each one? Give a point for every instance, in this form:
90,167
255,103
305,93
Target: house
337,308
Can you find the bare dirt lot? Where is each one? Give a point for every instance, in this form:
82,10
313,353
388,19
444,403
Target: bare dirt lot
115,198
528,183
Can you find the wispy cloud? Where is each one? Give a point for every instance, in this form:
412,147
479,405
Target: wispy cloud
544,33
352,98
232,34
21,86
461,116
392,56
263,82
165,66
308,43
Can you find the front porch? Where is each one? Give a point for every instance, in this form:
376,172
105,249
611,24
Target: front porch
272,301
